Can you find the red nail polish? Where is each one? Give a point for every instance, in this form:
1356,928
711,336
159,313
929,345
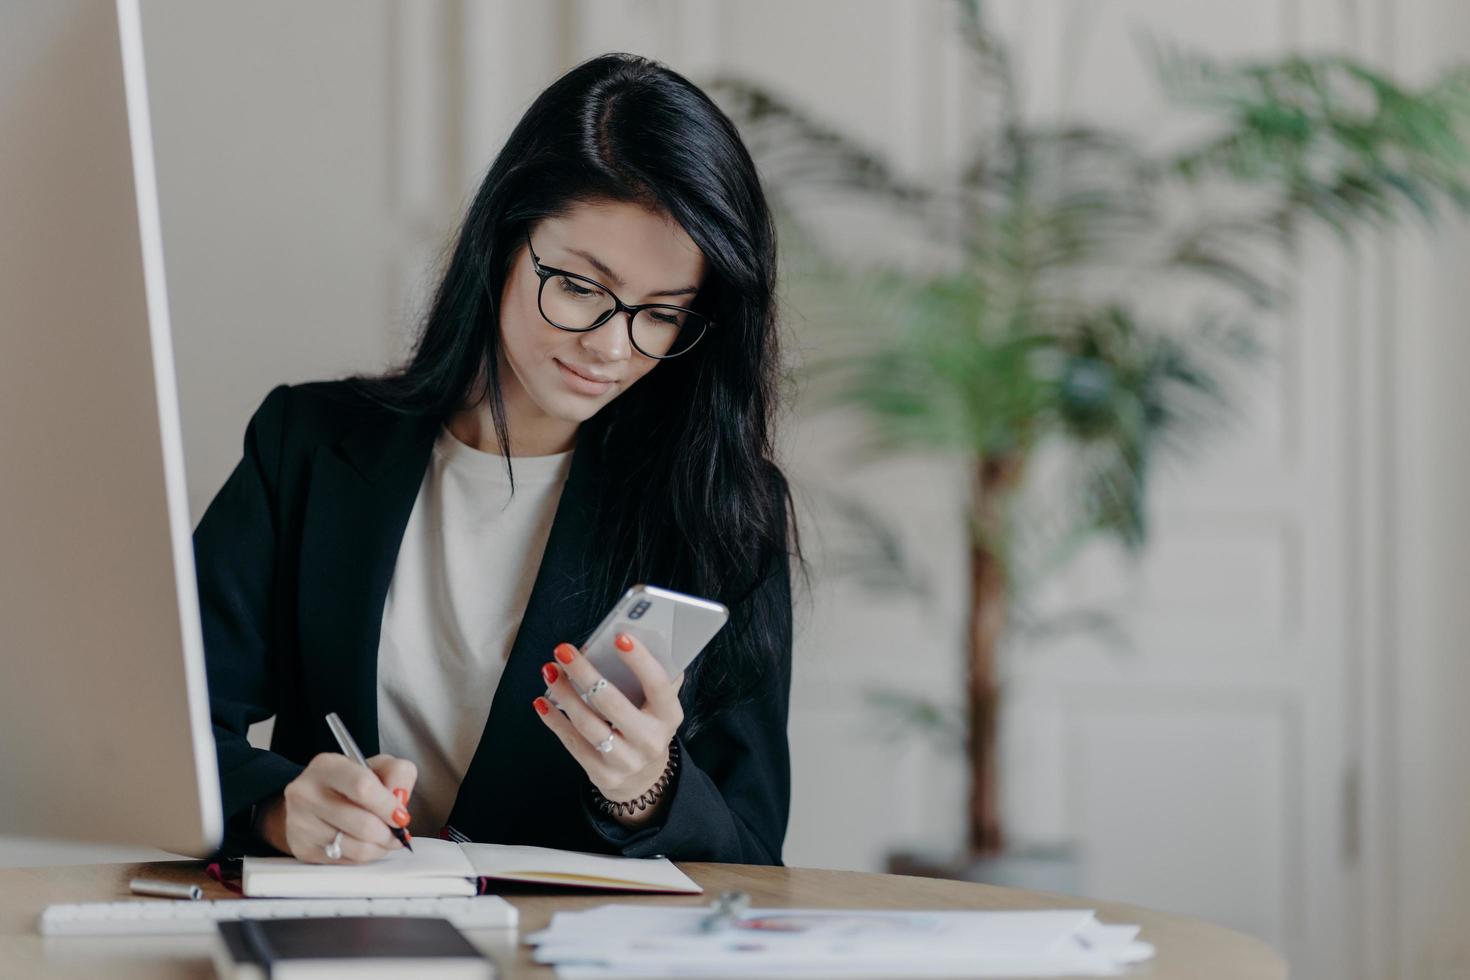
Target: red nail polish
402,795
624,642
400,817
565,652
541,706
549,672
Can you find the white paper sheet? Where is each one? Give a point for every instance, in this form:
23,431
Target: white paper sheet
630,940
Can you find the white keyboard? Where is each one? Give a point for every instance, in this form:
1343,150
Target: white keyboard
169,916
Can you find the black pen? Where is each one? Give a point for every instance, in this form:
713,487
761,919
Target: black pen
350,749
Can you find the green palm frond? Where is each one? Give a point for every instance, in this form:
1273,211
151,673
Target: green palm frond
1040,327
942,376
868,550
1344,143
799,153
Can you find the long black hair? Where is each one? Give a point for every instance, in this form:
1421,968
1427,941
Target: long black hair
695,501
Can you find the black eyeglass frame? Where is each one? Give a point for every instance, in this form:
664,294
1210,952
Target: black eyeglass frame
545,272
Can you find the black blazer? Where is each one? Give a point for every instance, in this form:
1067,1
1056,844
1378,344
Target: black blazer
294,558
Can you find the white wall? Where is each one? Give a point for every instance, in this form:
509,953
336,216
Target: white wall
1423,681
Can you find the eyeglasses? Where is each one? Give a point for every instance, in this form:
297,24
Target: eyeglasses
571,302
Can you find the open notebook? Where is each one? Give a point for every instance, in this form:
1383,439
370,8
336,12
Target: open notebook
441,867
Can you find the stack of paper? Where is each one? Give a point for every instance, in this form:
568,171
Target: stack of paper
654,941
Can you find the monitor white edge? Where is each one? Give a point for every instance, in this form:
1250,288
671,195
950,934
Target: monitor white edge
150,230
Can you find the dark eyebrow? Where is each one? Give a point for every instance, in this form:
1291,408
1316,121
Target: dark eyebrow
602,268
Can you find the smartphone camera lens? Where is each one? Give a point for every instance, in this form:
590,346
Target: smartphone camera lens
638,610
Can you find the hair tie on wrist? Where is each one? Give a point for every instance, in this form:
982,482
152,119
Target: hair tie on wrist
648,798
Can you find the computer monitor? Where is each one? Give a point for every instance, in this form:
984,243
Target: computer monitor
104,718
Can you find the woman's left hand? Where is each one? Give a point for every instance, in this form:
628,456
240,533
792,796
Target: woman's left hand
639,749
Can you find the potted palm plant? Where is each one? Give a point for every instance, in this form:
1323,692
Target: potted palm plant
1041,333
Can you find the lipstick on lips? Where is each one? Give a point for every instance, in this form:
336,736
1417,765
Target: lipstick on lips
581,383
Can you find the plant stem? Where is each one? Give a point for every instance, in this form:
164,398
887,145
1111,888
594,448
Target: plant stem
995,479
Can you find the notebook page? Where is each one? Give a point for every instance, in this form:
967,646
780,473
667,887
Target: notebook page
433,867
549,865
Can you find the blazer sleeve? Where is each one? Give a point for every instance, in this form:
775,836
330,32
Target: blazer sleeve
235,547
731,797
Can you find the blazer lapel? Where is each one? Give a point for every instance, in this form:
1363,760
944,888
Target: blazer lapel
517,756
361,495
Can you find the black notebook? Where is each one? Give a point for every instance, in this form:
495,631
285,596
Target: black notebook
348,946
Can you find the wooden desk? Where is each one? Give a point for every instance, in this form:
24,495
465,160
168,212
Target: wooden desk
1188,949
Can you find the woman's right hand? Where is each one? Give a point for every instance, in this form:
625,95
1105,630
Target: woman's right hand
334,793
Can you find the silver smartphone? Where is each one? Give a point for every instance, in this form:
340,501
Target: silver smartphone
673,626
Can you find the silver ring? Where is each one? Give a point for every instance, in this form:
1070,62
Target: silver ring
587,694
605,746
334,849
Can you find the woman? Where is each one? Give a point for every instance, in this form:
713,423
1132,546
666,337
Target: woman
587,406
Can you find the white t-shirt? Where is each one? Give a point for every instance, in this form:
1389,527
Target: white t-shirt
464,572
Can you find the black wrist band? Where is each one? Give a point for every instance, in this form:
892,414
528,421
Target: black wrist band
639,803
